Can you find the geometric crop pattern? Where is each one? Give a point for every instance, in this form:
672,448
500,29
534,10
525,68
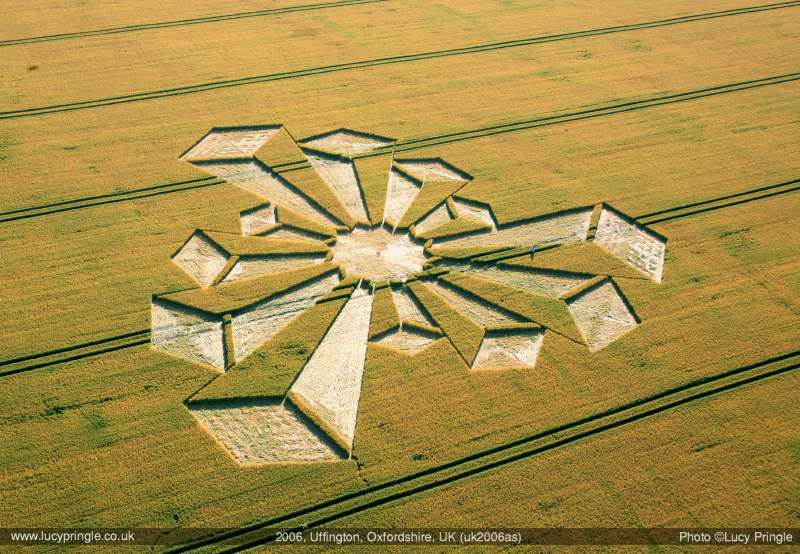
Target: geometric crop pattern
407,259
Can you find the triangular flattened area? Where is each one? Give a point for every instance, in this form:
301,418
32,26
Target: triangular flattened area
578,258
431,195
272,367
254,245
547,312
464,334
229,297
329,386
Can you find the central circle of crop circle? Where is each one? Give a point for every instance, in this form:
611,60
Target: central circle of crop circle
378,255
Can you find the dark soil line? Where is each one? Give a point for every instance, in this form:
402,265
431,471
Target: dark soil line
73,347
133,195
720,206
717,199
91,353
455,464
108,195
183,22
427,142
479,48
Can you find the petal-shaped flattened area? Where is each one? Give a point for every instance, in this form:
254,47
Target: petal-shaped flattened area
223,143
227,298
474,211
256,324
400,194
255,177
340,175
251,267
409,339
432,169
585,257
432,195
509,348
464,334
290,232
409,309
373,177
303,225
259,246
433,219
635,245
281,155
257,218
270,369
187,333
347,142
601,314
459,226
259,431
535,281
546,311
254,256
479,310
202,258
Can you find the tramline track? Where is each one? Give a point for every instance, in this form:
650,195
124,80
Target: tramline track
138,338
407,58
432,478
407,146
184,22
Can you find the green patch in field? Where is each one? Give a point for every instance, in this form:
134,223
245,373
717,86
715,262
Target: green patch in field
547,506
724,234
555,73
639,46
98,429
739,244
794,450
6,142
705,446
639,361
751,128
331,24
517,381
60,409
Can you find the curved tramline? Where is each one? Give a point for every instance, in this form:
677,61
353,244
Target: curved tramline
381,251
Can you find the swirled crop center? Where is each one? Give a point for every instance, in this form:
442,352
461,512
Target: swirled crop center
378,255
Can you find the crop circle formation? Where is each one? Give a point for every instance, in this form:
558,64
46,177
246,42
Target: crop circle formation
396,255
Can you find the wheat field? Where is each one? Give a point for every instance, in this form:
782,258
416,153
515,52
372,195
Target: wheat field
392,263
